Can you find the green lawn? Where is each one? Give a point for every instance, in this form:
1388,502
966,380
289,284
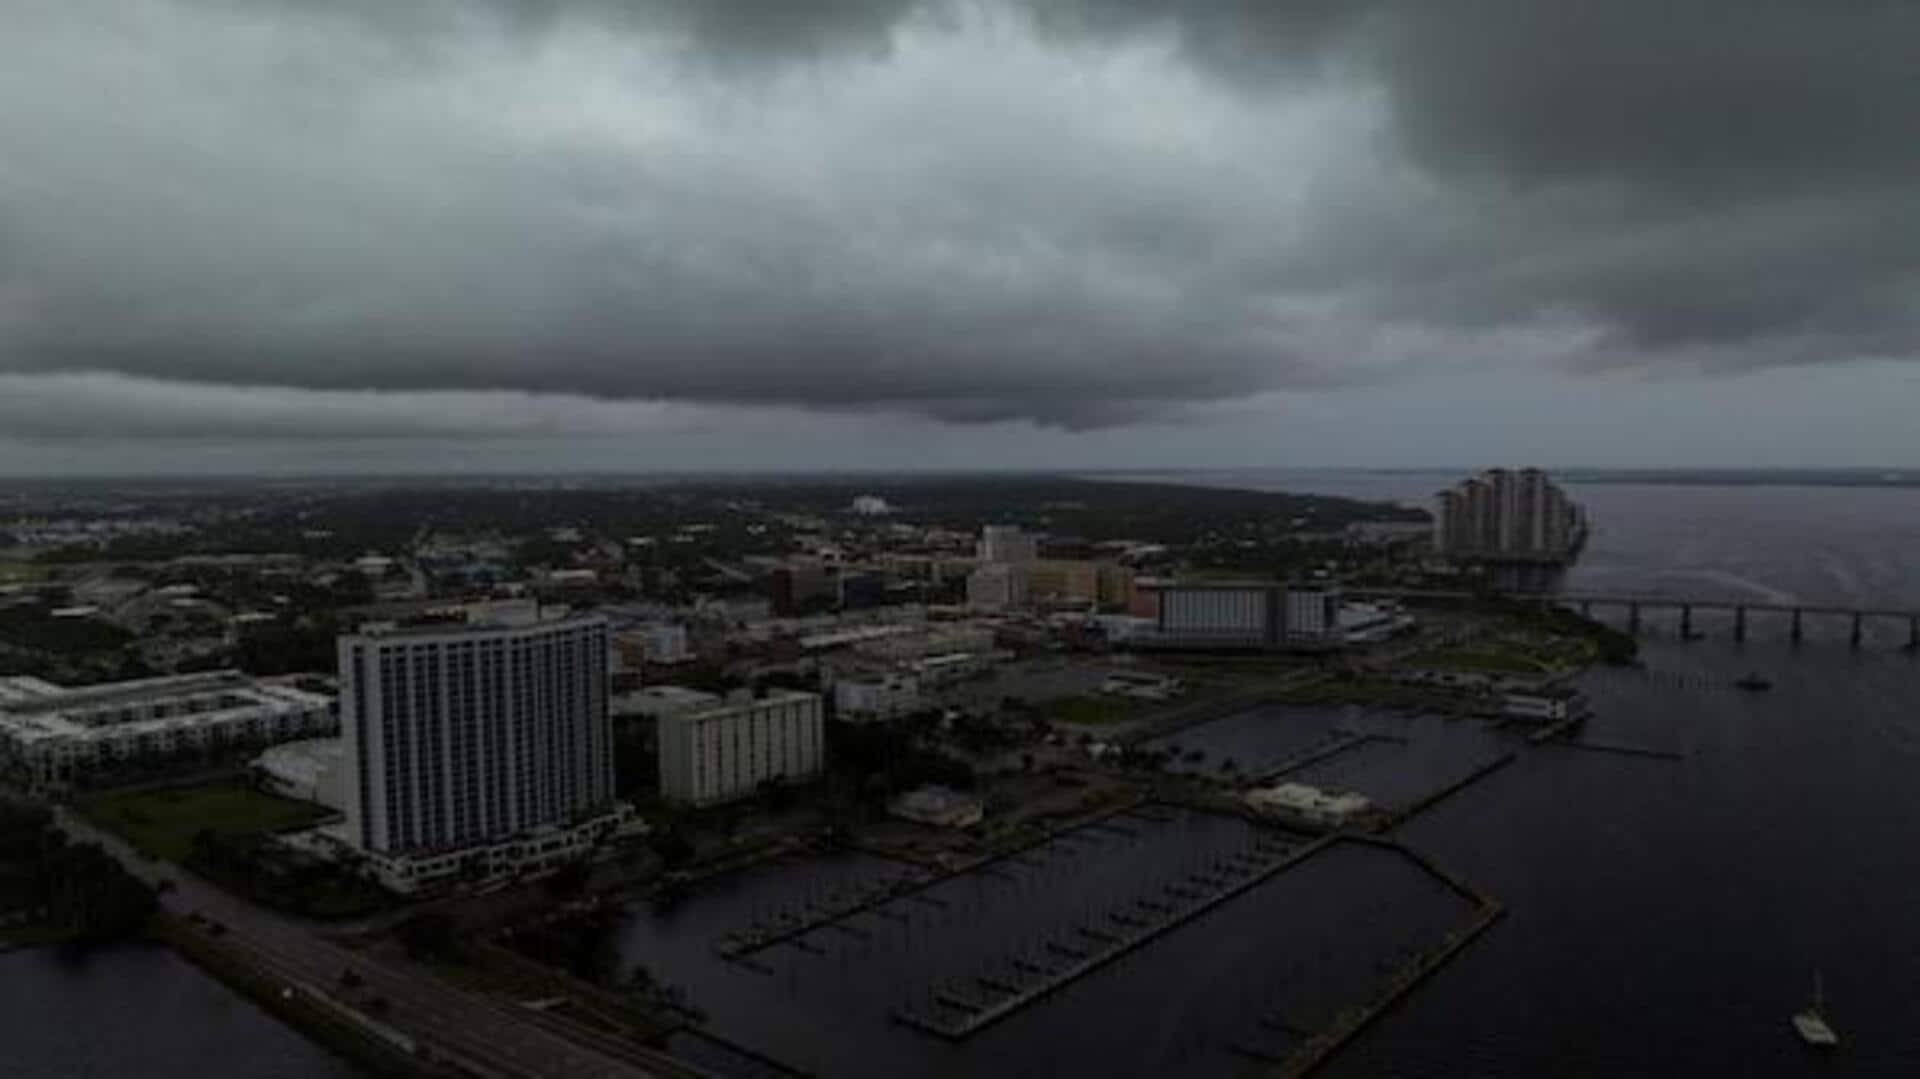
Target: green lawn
162,822
12,572
1496,661
1088,710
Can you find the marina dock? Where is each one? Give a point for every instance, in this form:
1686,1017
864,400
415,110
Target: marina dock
1321,1046
958,1010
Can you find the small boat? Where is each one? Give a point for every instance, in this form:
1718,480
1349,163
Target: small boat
1812,1023
1753,682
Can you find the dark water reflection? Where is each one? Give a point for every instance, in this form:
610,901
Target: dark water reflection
1667,917
1301,945
139,1011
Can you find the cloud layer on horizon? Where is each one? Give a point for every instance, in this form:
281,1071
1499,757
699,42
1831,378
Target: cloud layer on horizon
505,218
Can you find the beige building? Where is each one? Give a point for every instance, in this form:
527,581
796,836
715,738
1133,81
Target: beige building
1102,584
724,752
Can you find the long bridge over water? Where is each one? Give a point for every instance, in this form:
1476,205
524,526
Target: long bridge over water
1796,614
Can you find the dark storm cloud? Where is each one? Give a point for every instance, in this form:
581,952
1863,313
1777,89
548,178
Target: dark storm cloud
1739,178
98,407
1079,212
1735,94
726,31
1705,99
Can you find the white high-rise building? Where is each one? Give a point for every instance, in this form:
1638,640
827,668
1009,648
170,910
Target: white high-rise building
999,586
1006,543
464,735
1503,513
725,752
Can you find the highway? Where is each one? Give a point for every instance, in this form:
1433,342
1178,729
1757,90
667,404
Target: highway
480,1035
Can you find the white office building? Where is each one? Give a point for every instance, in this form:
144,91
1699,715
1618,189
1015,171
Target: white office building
868,697
52,736
1313,613
725,752
463,736
1006,543
1222,614
1246,615
998,586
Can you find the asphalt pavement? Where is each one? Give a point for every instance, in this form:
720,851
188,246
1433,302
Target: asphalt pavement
485,1036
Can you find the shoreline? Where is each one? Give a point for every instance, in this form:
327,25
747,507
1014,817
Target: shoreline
322,1026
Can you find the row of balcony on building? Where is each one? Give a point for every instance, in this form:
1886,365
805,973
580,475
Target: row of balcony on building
1508,514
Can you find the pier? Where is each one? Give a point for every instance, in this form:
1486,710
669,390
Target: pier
1347,740
1347,1025
1556,734
956,1011
1433,798
874,898
1623,749
1321,1047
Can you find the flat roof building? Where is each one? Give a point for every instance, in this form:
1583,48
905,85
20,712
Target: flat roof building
309,770
657,702
878,696
52,736
941,807
1006,543
466,735
1309,804
999,586
724,752
1245,615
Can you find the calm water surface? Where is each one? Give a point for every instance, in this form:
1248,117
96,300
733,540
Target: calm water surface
140,1011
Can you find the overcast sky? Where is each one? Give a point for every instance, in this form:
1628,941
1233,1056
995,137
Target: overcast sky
686,234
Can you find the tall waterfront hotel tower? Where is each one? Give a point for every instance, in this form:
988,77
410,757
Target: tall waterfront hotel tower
462,734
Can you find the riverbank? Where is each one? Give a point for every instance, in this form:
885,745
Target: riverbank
329,1025
139,1008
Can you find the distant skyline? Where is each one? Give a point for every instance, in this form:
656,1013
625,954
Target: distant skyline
689,235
